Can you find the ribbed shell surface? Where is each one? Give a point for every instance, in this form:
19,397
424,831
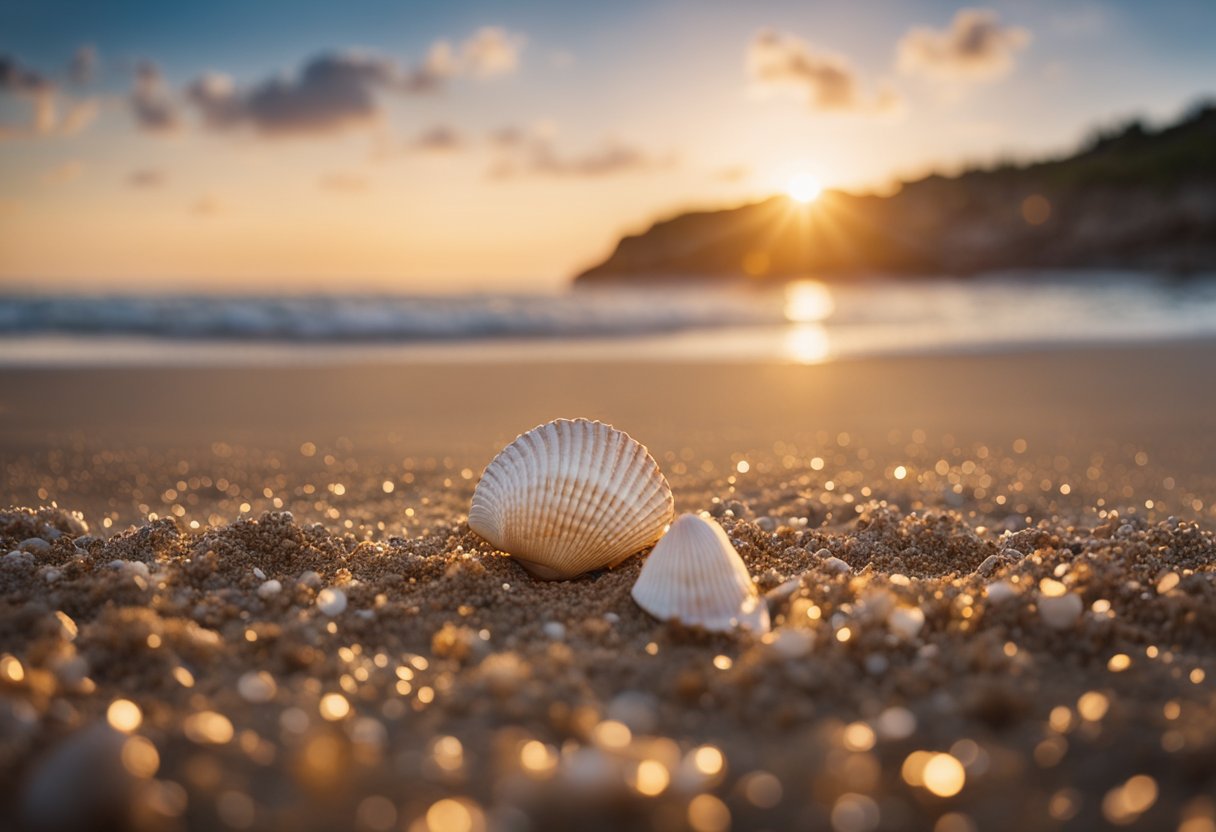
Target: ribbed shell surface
571,496
695,576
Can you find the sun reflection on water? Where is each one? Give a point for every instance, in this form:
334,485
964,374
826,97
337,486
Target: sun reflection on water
807,304
807,301
806,343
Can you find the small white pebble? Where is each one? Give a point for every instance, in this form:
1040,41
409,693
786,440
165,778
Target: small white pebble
52,575
1060,612
256,686
906,622
331,601
895,723
876,664
612,618
1000,591
555,630
793,643
259,574
835,564
269,589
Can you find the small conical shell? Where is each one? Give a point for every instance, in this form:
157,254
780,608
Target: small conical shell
571,496
695,576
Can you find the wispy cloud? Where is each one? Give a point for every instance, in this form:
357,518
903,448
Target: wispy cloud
784,63
47,101
975,46
151,101
22,81
536,154
438,139
337,91
147,178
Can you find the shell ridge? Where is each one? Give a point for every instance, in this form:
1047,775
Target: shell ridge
624,482
614,448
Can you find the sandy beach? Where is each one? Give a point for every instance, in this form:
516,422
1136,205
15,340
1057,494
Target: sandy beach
1001,618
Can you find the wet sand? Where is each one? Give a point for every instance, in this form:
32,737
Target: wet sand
367,662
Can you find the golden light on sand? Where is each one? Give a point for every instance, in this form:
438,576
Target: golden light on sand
208,727
1093,705
140,757
707,813
11,669
334,706
858,736
450,815
652,778
537,758
708,760
803,187
124,715
944,775
612,734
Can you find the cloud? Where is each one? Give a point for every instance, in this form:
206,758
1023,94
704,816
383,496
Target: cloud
784,63
491,51
151,103
438,139
146,178
23,82
338,91
333,92
976,46
537,156
18,79
84,65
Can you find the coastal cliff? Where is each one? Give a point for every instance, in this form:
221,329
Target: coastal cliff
1131,199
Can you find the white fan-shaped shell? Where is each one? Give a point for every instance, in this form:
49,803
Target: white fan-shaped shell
571,496
695,576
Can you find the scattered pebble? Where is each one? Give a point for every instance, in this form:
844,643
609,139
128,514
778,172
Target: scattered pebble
331,601
1060,612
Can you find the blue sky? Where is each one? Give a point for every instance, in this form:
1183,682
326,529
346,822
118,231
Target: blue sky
620,113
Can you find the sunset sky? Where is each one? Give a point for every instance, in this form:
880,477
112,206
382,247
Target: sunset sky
415,146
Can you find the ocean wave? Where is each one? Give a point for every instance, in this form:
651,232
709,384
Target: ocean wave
386,318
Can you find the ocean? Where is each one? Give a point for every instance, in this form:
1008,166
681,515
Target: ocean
804,321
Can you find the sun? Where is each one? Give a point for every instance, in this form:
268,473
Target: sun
803,187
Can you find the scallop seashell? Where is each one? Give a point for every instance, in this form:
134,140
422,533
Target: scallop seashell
571,496
695,576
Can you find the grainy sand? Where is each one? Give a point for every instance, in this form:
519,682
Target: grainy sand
1049,515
